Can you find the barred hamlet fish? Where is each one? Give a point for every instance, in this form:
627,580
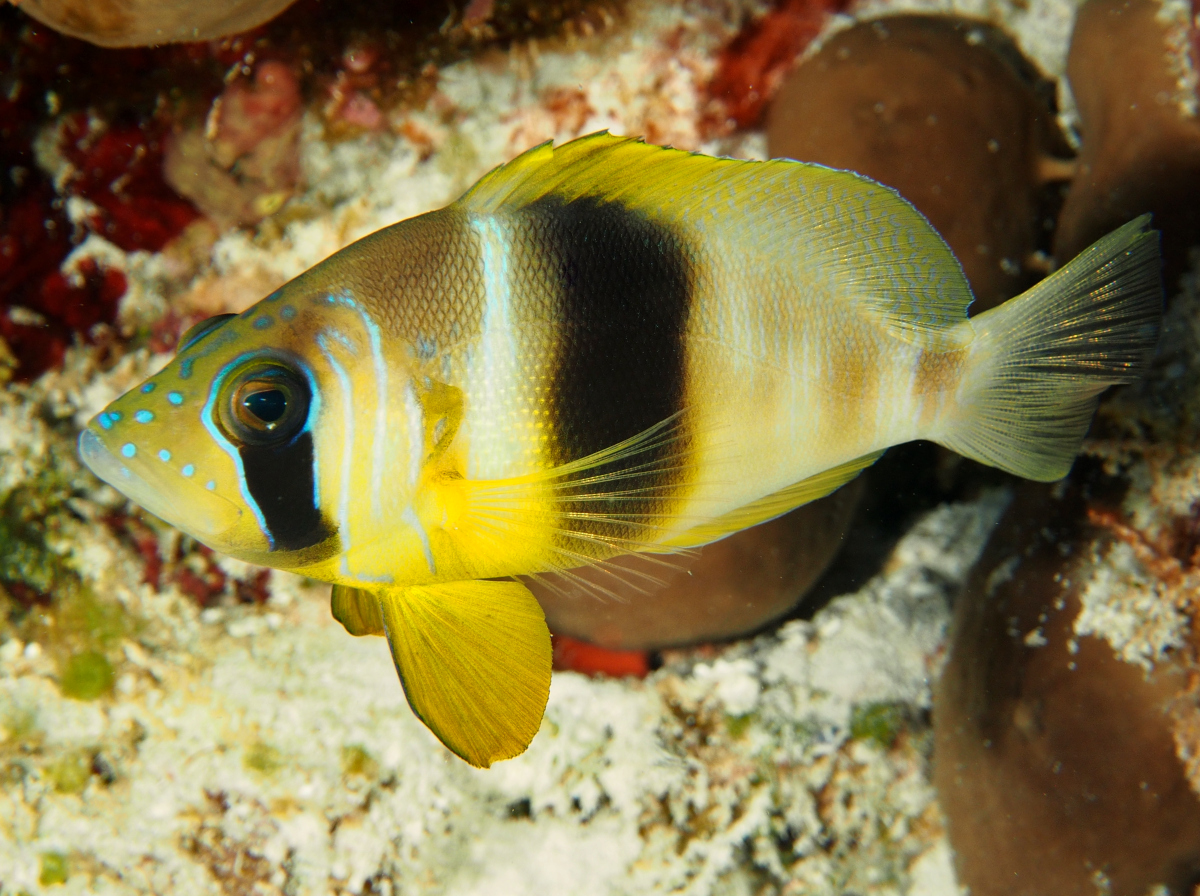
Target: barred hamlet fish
602,348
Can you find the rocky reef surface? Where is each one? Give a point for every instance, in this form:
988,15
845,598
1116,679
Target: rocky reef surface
173,721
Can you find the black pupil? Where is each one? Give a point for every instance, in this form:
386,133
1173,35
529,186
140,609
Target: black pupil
268,405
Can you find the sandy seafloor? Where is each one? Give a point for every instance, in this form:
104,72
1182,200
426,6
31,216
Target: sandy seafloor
260,749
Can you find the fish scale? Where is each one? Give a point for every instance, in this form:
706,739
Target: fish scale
603,347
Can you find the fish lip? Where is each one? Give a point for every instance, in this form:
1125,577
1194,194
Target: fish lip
208,514
97,458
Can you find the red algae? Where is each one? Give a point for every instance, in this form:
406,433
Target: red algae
192,568
119,170
573,655
111,171
113,112
753,65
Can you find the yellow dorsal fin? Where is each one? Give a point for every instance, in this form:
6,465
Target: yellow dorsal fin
773,505
852,239
357,610
474,659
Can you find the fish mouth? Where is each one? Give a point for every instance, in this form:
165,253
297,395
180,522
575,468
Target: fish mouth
202,514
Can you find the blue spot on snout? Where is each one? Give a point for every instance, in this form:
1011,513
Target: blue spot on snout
129,449
148,388
143,416
164,455
175,398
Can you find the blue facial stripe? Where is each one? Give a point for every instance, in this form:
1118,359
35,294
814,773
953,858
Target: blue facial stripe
348,421
206,417
314,409
347,457
379,443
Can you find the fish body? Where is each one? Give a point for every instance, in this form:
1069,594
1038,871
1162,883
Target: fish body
602,348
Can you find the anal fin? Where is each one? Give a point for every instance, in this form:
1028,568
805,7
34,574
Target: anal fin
357,610
474,658
774,504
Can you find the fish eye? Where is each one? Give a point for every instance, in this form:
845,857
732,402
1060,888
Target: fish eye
198,331
264,404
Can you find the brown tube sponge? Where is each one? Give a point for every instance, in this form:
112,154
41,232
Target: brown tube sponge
1055,761
143,23
1138,119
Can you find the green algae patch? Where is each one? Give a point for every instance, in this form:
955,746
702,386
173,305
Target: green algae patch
880,723
31,571
70,773
736,726
54,869
86,676
357,761
262,757
21,728
86,619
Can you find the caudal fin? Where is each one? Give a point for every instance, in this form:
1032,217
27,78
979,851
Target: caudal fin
1040,361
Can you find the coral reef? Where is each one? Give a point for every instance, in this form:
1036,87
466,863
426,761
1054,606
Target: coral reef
173,721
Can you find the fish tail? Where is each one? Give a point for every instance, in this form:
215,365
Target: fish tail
1039,362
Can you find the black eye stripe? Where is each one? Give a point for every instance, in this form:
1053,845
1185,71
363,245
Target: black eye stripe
280,479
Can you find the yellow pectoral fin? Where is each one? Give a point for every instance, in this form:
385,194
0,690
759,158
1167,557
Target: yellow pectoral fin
357,610
474,659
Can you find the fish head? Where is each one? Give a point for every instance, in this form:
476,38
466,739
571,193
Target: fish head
270,433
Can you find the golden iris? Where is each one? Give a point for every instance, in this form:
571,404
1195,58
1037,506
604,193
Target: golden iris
264,404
